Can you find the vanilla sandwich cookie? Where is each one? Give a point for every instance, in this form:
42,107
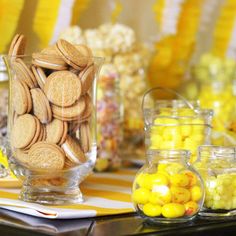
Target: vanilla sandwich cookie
43,155
62,88
73,150
76,58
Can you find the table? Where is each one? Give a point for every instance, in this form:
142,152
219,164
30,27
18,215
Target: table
12,224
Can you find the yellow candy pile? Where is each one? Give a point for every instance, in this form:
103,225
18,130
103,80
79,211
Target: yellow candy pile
170,192
184,131
218,195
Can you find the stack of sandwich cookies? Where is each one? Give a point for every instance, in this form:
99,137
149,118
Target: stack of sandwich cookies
51,105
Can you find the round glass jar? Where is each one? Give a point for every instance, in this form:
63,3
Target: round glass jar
217,166
167,189
51,127
173,124
109,133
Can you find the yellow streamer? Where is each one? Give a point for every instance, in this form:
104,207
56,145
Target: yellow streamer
45,20
223,29
79,7
9,17
117,11
158,8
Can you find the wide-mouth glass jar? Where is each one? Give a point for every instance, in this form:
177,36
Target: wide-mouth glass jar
177,124
167,189
51,126
217,166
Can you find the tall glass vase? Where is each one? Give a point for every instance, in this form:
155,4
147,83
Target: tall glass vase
51,142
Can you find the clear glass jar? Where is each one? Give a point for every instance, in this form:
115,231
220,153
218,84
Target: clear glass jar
109,135
52,127
173,124
3,117
167,189
217,166
3,99
216,91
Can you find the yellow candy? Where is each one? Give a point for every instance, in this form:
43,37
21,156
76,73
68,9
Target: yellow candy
191,208
180,195
152,210
141,196
158,179
196,193
140,179
198,138
156,141
102,164
174,168
179,180
162,166
186,130
173,210
172,133
191,177
160,195
147,181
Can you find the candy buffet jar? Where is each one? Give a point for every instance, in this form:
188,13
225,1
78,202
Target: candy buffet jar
217,166
173,124
53,152
109,135
3,117
3,99
167,189
215,77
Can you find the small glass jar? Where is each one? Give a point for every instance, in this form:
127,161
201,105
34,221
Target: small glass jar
167,189
173,124
108,119
217,166
3,99
3,117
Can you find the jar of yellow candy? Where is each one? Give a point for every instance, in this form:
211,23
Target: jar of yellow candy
176,124
217,166
167,189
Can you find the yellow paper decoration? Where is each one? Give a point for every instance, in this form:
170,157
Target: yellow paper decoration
116,12
79,7
174,51
223,29
9,16
157,8
45,20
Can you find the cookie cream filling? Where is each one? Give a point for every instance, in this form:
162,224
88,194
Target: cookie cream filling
47,63
70,154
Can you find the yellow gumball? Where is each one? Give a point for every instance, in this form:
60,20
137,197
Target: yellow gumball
186,130
159,179
198,138
191,177
173,210
162,166
196,193
174,168
141,196
156,141
140,179
179,180
161,195
152,210
180,195
191,208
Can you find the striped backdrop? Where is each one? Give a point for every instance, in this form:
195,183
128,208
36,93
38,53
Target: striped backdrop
104,194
